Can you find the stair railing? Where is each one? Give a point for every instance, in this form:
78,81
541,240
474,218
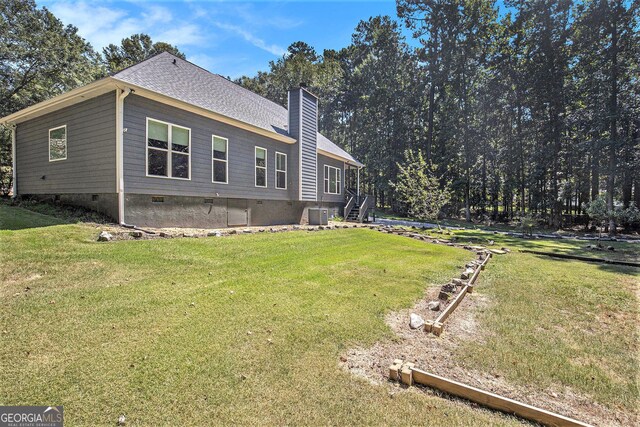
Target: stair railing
364,208
349,206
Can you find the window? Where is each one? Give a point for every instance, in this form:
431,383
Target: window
261,167
332,184
281,171
168,149
58,143
220,159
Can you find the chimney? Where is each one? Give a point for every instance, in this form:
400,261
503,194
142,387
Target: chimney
303,126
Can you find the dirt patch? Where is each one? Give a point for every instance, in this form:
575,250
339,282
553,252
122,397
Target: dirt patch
438,355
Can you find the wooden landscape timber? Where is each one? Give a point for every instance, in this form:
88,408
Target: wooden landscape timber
438,324
413,375
582,258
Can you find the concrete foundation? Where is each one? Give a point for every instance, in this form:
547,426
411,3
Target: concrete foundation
103,203
202,212
159,211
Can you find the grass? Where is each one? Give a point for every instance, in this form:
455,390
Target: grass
246,329
109,328
557,323
623,251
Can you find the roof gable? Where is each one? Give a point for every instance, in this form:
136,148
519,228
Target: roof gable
179,79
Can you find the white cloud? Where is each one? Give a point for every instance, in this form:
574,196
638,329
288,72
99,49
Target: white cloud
182,35
101,25
256,41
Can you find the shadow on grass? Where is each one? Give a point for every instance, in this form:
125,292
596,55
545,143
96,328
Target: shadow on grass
15,218
610,268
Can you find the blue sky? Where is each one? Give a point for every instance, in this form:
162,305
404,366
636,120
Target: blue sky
231,38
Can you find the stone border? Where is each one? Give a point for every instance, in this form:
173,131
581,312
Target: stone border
116,233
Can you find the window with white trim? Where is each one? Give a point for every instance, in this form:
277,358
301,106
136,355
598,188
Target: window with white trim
332,180
281,171
58,143
261,167
168,150
220,160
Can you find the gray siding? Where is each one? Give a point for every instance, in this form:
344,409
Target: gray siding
308,145
303,124
322,196
90,166
241,156
294,131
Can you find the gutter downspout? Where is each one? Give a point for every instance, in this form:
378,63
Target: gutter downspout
13,126
121,95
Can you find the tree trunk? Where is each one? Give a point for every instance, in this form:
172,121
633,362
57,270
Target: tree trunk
613,114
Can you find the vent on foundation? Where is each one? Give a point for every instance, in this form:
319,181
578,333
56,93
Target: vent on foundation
157,199
94,197
208,201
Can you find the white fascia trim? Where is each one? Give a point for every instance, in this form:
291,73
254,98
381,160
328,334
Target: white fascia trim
342,159
66,99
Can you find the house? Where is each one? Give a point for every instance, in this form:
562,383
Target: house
165,143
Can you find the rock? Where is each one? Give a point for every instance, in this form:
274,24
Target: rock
188,235
498,251
415,321
449,288
273,230
122,420
296,227
261,230
611,248
444,296
507,250
457,282
233,231
467,274
434,305
491,242
165,235
248,231
214,234
105,236
136,234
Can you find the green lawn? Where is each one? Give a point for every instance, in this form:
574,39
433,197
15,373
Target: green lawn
623,251
110,328
556,322
245,329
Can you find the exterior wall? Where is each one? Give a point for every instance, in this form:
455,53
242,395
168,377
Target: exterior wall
308,144
303,123
196,212
322,196
241,166
90,166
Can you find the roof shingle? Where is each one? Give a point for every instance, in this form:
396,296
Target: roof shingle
179,79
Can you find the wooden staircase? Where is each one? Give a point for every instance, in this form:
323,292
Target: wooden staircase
357,208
